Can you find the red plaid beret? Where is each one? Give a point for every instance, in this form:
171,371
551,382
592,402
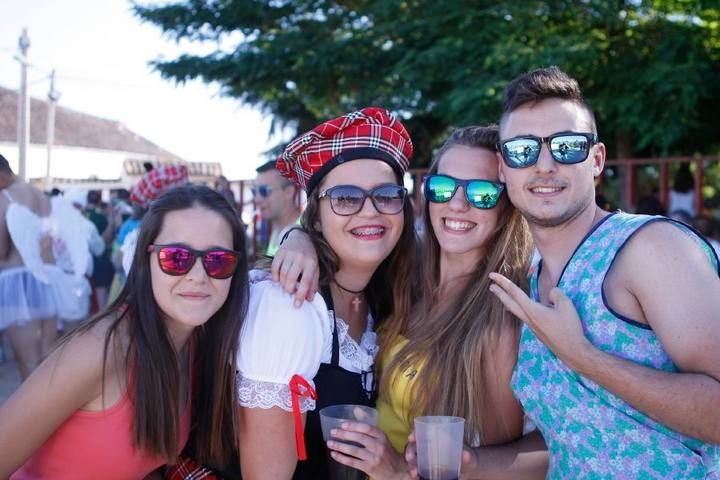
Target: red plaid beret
157,181
369,133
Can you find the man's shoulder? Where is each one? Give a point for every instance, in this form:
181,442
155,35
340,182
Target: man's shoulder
664,234
31,197
661,241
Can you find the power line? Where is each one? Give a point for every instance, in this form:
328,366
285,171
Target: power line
39,80
99,81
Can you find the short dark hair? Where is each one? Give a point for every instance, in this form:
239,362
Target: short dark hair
93,197
543,84
683,181
266,167
650,205
122,194
5,165
269,166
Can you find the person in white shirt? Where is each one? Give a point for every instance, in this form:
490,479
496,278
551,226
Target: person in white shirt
293,360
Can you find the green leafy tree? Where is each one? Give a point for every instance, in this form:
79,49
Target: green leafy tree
650,68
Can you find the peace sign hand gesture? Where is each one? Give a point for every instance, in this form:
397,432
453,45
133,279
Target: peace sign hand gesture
558,325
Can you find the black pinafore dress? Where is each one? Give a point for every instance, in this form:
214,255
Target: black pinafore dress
334,386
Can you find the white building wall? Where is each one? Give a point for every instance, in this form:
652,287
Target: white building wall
71,162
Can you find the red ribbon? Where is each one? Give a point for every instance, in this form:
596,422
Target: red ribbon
299,387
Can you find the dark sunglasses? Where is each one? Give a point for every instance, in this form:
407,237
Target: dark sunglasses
177,260
479,193
262,190
565,147
346,200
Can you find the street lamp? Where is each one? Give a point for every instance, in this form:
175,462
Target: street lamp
53,97
23,104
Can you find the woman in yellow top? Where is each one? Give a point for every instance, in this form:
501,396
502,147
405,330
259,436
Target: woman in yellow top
454,351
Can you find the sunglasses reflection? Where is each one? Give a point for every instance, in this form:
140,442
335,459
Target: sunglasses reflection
565,148
347,200
178,260
479,193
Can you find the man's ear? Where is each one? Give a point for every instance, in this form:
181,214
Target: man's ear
598,158
501,175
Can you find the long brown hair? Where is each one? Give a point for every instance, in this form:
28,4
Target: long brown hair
155,386
453,330
390,287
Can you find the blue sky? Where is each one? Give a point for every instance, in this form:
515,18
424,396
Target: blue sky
100,52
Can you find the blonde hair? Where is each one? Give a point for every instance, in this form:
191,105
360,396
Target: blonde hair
452,335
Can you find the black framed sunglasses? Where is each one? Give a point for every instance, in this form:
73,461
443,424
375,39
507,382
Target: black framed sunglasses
565,147
480,193
177,260
345,200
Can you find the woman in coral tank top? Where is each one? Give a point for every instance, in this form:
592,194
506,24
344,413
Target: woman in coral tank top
117,398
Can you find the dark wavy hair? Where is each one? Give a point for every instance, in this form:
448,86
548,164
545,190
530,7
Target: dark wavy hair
150,353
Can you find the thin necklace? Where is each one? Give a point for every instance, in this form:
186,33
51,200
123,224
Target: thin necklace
356,302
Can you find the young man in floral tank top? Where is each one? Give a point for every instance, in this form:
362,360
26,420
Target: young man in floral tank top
619,362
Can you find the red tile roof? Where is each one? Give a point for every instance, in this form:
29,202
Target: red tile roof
75,129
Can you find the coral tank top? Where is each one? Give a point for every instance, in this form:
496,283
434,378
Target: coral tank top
92,445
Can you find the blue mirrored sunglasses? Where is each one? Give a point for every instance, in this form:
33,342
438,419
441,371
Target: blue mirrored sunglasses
480,193
565,147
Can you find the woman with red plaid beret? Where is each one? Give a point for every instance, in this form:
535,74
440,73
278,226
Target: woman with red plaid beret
454,351
117,398
293,360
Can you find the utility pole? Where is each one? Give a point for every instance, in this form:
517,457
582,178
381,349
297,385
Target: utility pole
23,137
53,97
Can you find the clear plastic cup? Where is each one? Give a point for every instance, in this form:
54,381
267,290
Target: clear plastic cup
439,447
332,417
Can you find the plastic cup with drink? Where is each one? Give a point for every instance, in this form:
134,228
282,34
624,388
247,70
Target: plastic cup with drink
439,442
333,417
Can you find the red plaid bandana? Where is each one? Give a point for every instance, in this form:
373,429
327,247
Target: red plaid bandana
369,133
157,181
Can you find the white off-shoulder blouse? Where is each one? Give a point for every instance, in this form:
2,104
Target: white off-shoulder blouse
278,341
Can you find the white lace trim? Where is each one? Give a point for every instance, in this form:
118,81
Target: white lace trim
362,356
257,394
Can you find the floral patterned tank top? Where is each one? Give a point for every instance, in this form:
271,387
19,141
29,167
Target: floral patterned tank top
590,432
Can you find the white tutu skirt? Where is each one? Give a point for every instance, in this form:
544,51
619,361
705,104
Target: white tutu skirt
24,298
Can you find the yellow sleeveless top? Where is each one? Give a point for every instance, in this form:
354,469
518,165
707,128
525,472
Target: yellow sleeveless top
393,407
